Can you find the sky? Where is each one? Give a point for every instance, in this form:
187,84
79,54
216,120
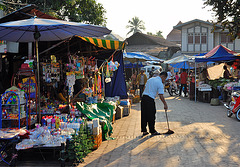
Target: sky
158,15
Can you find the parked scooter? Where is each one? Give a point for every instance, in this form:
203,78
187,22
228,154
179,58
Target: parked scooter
234,105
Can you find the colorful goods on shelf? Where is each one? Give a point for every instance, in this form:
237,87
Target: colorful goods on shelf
20,94
52,108
62,121
13,100
30,63
231,85
29,86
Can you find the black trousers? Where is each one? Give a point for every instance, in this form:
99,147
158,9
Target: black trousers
148,114
185,89
141,87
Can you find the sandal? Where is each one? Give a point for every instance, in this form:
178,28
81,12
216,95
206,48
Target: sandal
155,133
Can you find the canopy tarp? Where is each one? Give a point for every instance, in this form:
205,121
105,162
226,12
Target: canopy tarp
183,65
103,43
179,59
128,64
117,86
219,53
140,56
216,71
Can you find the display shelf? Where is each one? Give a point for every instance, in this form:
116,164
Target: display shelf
11,105
28,79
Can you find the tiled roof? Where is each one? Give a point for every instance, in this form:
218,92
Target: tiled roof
179,27
175,35
148,49
149,40
25,13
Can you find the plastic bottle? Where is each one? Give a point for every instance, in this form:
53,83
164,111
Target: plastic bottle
43,121
57,123
48,122
53,122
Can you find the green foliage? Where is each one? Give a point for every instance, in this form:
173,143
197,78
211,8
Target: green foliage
227,13
135,25
80,145
158,34
149,33
85,11
218,82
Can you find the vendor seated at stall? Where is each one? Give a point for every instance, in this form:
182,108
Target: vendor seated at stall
203,77
80,84
226,73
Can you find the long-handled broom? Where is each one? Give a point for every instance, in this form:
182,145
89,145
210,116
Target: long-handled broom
169,131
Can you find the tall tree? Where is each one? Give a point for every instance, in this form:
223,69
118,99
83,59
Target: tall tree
135,25
85,11
227,13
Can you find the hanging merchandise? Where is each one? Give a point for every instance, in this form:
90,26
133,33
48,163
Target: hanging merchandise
70,82
99,83
108,79
51,72
113,66
95,85
96,67
103,86
79,67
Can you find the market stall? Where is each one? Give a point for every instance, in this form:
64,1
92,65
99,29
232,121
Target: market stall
93,77
82,69
218,54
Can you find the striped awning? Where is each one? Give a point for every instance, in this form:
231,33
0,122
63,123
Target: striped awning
106,44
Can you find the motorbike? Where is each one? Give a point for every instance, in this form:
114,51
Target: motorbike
234,105
171,88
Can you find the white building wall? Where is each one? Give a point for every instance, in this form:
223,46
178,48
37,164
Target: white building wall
210,39
1,13
237,45
196,47
184,40
216,38
213,39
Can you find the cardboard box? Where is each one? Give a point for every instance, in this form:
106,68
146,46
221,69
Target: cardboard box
96,131
126,110
97,140
113,118
96,122
119,112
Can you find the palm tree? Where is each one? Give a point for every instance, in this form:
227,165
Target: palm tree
135,25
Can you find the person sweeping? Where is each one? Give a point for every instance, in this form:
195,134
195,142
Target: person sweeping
153,87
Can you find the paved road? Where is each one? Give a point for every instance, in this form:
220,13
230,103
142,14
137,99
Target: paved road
204,136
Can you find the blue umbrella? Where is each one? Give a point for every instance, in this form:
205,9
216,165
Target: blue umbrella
29,30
